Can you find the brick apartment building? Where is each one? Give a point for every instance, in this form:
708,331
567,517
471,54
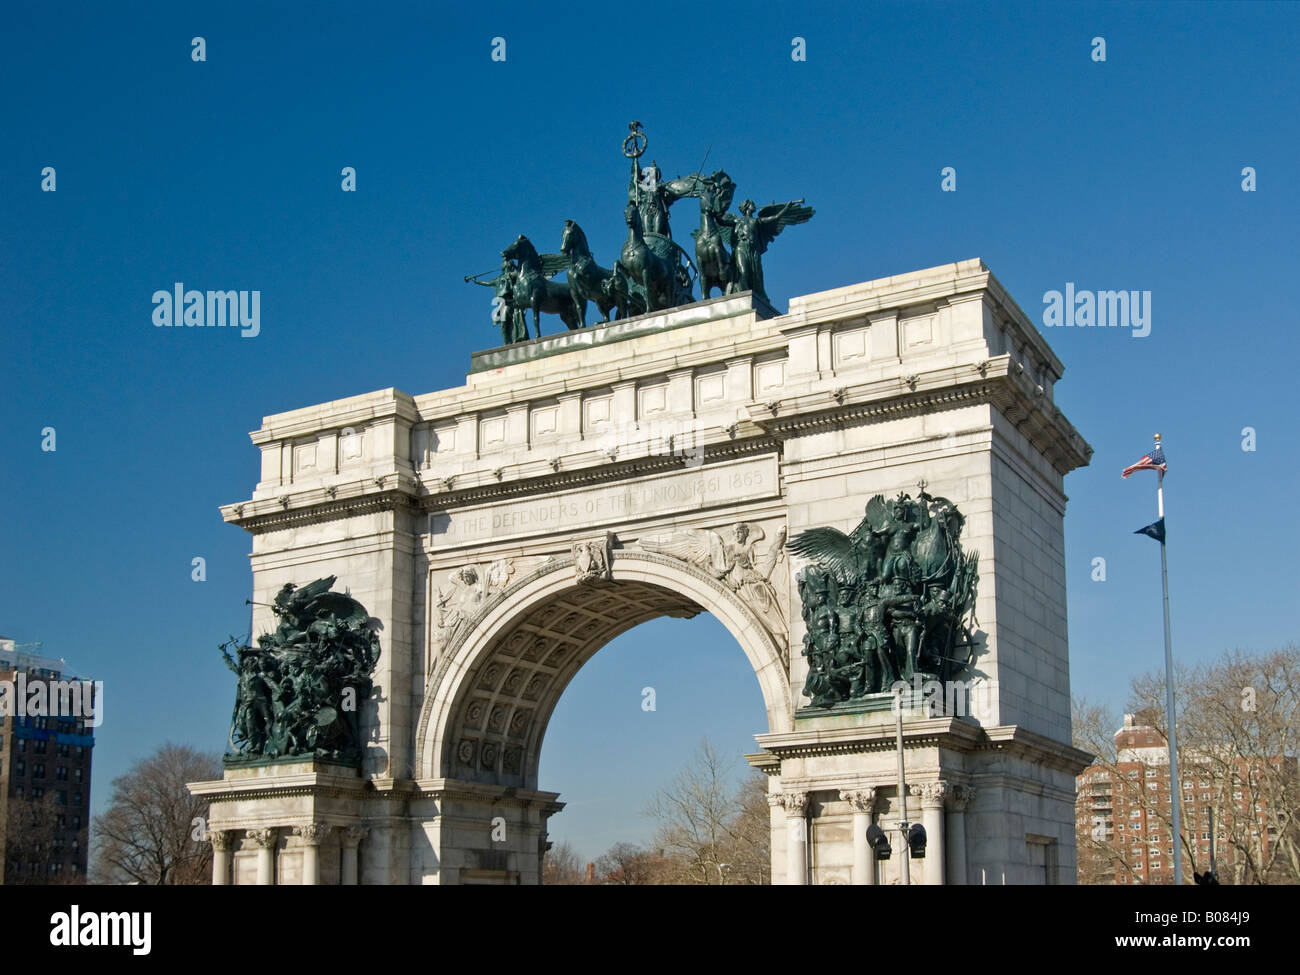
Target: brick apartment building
1123,811
44,781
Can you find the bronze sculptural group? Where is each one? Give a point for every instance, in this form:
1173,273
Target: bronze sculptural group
300,690
887,602
653,272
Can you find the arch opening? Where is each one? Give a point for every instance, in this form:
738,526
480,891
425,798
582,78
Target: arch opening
490,701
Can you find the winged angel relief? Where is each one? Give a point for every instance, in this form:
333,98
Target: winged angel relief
730,557
468,590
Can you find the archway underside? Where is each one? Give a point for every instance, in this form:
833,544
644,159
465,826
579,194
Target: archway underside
502,714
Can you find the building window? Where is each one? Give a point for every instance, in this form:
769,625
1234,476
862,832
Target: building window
20,767
61,773
76,774
38,770
40,746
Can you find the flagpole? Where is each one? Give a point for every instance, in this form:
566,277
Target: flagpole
1175,789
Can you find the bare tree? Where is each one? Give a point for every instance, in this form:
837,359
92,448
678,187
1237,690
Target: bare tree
561,865
750,848
714,834
1238,731
147,835
1238,724
627,864
30,838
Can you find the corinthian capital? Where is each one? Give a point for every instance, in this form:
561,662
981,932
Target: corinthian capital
311,833
265,838
862,800
222,840
352,835
932,793
795,803
960,797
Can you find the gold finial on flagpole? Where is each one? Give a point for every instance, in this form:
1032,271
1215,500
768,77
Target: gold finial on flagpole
1157,438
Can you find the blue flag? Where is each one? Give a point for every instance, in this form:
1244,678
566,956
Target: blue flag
1155,530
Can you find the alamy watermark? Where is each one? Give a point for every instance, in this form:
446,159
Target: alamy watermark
656,438
235,309
40,697
1102,309
950,698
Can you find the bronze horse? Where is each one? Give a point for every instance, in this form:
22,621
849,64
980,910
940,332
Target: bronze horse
533,289
711,239
651,266
588,281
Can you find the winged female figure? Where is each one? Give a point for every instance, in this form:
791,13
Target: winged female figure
731,559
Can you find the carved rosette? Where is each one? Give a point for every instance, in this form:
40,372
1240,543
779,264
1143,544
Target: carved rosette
960,797
932,794
312,833
862,800
222,840
265,838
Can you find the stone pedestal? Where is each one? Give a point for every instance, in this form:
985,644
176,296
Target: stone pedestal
1026,785
285,821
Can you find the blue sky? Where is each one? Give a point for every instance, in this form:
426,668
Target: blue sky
225,174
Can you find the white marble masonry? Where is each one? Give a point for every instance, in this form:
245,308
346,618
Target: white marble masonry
504,530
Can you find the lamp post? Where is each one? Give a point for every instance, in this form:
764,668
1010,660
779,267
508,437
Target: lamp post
902,791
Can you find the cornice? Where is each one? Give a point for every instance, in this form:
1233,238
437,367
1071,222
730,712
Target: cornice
946,732
362,410
539,478
291,510
928,732
443,788
1000,382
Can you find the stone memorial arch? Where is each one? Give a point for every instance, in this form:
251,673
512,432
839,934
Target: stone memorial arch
577,485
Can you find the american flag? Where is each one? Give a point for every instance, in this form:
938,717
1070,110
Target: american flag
1154,461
